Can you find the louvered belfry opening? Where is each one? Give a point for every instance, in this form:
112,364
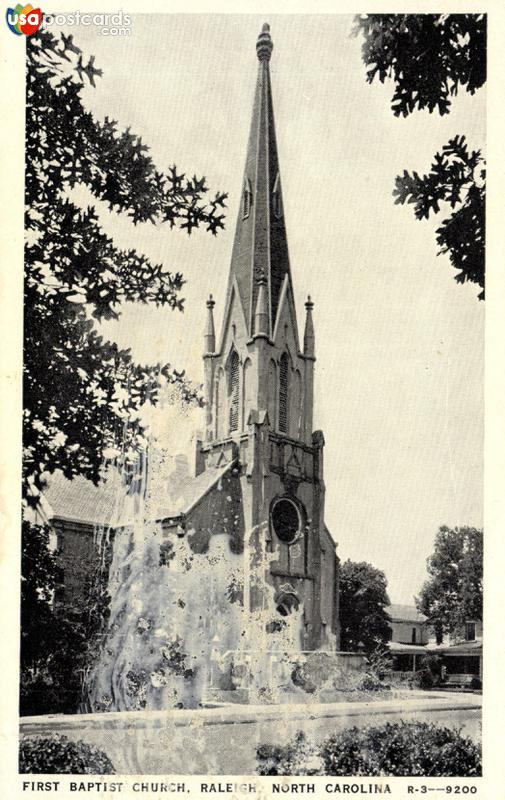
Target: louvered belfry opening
234,391
283,393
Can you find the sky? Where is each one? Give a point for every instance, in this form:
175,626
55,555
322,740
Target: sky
399,372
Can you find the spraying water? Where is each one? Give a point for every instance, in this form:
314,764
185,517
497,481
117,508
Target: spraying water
184,626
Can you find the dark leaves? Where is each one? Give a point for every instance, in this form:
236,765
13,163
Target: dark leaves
429,57
363,599
454,178
82,394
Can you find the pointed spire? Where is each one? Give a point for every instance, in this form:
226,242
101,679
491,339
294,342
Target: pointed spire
309,341
260,235
210,334
261,327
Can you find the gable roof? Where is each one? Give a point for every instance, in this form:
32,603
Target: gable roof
402,613
80,500
110,505
193,489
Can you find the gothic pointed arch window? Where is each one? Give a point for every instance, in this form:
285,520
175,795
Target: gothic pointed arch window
284,393
233,390
247,392
246,198
277,198
296,405
272,394
220,405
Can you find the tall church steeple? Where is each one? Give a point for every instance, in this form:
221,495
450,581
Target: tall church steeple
258,364
260,244
259,401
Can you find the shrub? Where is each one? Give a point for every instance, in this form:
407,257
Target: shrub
391,749
380,664
371,683
56,754
295,758
401,748
424,679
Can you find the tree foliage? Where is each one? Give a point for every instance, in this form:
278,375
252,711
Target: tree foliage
40,576
81,393
59,639
454,178
363,600
429,58
453,592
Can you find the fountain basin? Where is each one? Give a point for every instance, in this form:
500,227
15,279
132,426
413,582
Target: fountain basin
222,740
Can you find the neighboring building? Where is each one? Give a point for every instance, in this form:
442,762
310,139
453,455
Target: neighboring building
462,654
259,468
409,637
412,638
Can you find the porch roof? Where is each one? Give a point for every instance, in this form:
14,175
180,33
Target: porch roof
412,649
459,649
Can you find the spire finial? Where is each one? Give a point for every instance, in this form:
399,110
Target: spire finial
211,302
264,45
309,305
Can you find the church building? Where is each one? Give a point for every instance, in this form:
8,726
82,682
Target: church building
259,464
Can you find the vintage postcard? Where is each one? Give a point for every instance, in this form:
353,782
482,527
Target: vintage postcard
248,318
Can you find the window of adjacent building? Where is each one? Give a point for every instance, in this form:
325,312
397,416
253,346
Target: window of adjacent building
234,378
414,635
246,198
470,631
283,393
277,198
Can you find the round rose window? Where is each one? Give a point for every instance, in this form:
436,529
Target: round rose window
286,520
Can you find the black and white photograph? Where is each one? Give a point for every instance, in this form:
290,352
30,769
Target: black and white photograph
253,359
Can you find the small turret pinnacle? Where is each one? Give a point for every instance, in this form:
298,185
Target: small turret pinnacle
261,316
309,349
264,45
210,334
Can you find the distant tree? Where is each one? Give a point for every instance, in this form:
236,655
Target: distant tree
59,639
363,600
429,58
83,394
40,576
453,592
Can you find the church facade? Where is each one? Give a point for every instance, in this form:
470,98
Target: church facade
259,387
259,465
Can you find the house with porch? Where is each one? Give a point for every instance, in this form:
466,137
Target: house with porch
461,655
409,637
412,638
